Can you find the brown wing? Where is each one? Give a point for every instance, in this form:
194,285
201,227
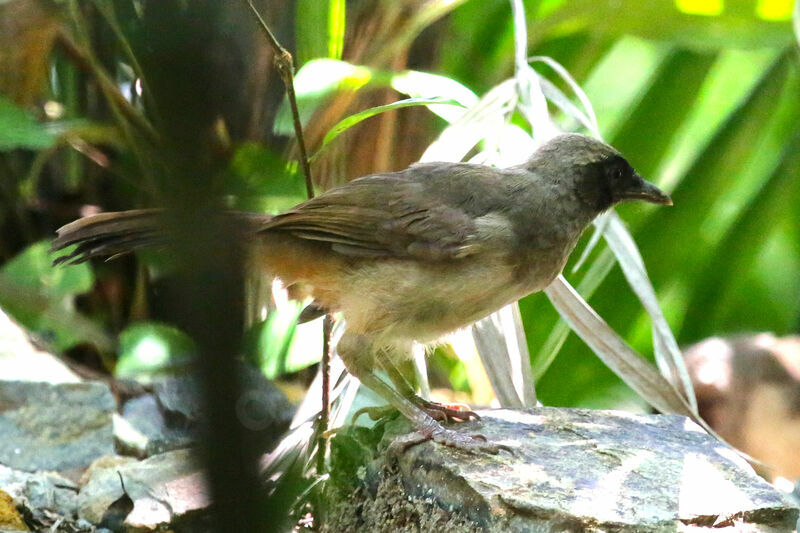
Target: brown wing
390,215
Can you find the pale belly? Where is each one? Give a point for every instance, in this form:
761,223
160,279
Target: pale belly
409,301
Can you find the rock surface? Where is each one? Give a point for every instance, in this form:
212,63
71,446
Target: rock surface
54,427
163,489
21,360
571,470
149,433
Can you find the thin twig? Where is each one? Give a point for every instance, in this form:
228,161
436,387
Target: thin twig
327,329
285,66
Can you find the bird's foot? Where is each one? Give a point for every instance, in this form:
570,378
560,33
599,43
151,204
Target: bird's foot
448,437
442,412
447,412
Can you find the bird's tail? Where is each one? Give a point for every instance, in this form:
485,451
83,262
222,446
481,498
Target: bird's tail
113,234
109,235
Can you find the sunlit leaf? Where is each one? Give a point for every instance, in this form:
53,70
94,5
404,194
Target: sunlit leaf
699,24
336,28
315,82
319,29
424,85
149,349
650,127
797,20
33,268
19,130
41,297
279,345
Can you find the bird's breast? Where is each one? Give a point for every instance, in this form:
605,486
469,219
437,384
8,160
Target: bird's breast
409,300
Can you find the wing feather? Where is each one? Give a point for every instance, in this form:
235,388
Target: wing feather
385,215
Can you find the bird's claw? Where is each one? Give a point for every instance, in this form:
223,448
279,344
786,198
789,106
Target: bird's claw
448,437
447,412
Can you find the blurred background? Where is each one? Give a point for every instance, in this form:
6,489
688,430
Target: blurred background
700,95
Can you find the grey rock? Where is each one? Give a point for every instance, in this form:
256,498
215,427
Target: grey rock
571,470
164,488
40,491
148,432
22,360
54,427
262,408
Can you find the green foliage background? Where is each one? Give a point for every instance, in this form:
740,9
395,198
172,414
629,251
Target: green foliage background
700,95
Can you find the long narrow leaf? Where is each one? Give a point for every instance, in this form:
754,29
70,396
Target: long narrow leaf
589,117
668,355
354,119
486,118
558,335
615,352
532,102
336,28
501,344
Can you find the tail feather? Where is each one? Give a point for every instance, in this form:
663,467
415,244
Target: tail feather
109,235
114,234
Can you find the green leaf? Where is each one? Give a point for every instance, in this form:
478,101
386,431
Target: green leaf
19,130
316,82
33,268
735,23
148,349
320,79
744,242
424,85
352,120
261,181
320,29
336,28
278,345
311,30
41,297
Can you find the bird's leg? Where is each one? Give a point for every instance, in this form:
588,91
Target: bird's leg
443,412
358,354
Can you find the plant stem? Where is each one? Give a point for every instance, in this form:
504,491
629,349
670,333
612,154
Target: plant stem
285,66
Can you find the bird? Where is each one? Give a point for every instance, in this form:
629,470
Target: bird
410,256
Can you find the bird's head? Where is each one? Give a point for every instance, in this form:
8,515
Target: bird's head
597,173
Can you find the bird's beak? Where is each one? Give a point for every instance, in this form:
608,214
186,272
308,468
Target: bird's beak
646,192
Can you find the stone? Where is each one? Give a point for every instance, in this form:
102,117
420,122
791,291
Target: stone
45,497
163,489
571,470
22,360
146,431
262,408
54,427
